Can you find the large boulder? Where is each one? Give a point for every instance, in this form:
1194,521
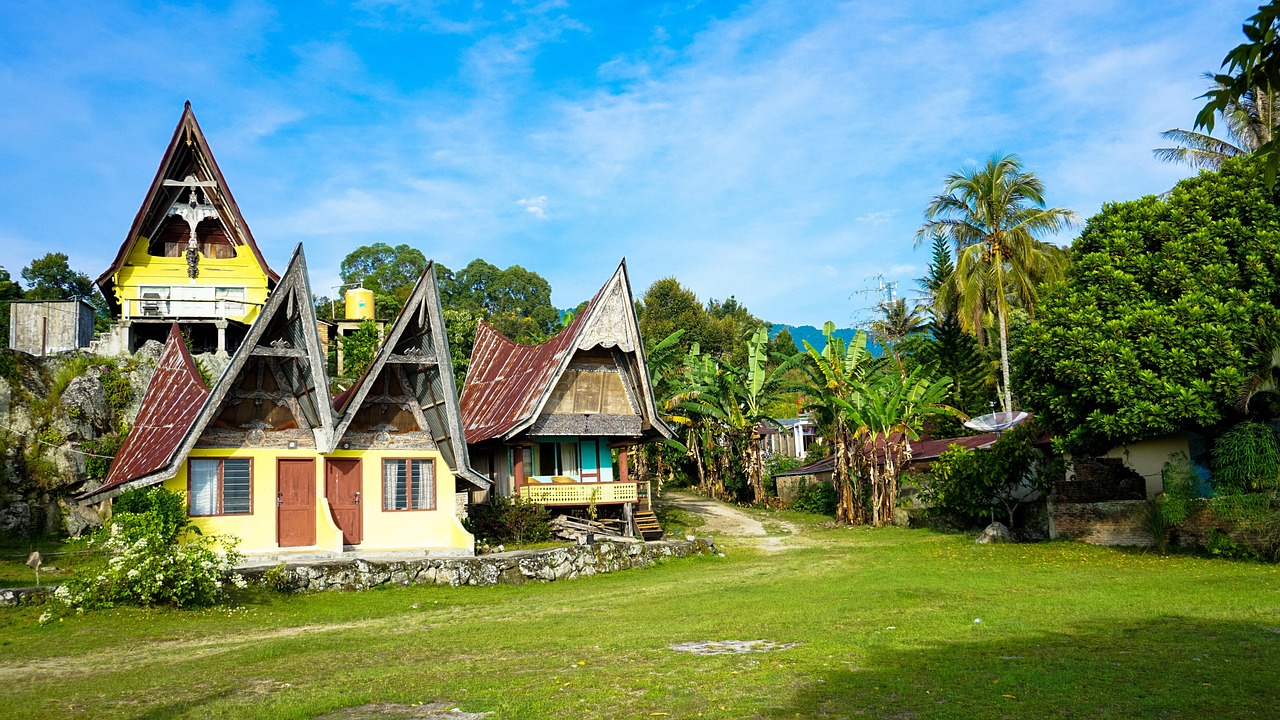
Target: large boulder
995,533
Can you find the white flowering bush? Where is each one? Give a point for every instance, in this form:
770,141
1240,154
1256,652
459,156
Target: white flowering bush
151,554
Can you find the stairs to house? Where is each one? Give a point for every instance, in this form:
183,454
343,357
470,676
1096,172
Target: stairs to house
647,525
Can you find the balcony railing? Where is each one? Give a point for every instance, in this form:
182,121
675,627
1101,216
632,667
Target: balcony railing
162,308
580,493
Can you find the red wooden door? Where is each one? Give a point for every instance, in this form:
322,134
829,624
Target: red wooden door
295,502
342,480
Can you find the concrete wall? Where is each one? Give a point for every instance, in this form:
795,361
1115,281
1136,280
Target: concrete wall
1147,458
48,327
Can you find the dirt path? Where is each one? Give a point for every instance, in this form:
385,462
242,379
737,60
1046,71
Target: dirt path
727,520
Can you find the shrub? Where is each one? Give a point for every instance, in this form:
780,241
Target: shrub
504,520
816,498
1220,544
965,486
151,554
1246,458
100,454
117,388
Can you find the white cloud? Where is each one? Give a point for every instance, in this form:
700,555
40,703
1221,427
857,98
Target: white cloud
536,206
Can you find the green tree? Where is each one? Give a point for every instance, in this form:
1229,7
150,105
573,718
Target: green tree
390,272
51,278
9,291
359,349
1252,76
946,349
1150,332
515,301
993,215
896,323
668,306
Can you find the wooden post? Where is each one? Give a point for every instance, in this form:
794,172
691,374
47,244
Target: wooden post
519,469
623,475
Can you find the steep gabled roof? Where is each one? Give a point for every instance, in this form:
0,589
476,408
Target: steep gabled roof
188,153
416,349
286,331
508,384
169,408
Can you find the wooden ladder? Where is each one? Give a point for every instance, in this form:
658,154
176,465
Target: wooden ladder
647,525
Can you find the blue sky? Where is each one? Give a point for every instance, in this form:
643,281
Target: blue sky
780,152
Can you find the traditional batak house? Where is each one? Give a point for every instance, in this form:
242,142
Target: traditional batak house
552,423
267,456
188,258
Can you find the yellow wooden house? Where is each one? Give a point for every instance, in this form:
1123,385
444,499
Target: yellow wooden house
268,456
188,257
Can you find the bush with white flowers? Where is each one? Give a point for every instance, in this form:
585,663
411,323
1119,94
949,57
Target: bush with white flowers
151,554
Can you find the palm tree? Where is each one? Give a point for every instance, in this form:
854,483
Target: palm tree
1250,120
897,322
1265,377
992,215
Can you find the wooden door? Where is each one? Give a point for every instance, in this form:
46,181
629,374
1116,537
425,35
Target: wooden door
295,502
342,482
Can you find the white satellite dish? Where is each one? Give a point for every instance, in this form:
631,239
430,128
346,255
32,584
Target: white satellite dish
996,422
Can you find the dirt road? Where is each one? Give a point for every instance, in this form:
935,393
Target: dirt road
726,520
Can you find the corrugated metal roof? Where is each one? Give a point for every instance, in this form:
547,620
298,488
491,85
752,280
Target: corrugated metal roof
506,380
169,407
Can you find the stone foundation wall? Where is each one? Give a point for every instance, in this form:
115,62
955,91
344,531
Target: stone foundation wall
510,568
789,485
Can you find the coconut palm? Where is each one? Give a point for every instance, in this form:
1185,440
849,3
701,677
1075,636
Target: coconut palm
1265,375
993,215
1250,121
897,322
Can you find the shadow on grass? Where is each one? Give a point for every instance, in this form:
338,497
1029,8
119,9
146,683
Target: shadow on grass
1165,667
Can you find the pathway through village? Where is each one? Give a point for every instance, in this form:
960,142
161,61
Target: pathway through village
728,521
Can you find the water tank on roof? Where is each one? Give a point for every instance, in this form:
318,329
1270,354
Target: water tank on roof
359,304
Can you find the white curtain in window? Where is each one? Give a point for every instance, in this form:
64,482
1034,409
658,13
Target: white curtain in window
424,485
204,487
569,459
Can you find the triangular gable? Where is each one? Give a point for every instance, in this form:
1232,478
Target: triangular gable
286,338
170,406
508,384
416,351
188,154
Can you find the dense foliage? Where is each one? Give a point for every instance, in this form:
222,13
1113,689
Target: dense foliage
1246,458
1149,332
151,554
816,498
966,487
505,520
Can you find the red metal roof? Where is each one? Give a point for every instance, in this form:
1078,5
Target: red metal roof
170,405
187,132
506,380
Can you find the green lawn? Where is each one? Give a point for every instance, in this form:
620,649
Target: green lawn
60,558
886,621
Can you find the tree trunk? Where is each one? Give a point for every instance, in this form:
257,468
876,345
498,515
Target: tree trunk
755,469
1004,334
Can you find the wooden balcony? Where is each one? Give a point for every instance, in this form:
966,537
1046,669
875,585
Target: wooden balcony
580,493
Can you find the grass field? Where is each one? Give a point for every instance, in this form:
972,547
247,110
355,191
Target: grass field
886,621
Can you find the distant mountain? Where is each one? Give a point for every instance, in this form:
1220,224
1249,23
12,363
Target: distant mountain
818,340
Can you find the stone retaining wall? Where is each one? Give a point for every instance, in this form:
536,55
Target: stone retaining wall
509,568
11,597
